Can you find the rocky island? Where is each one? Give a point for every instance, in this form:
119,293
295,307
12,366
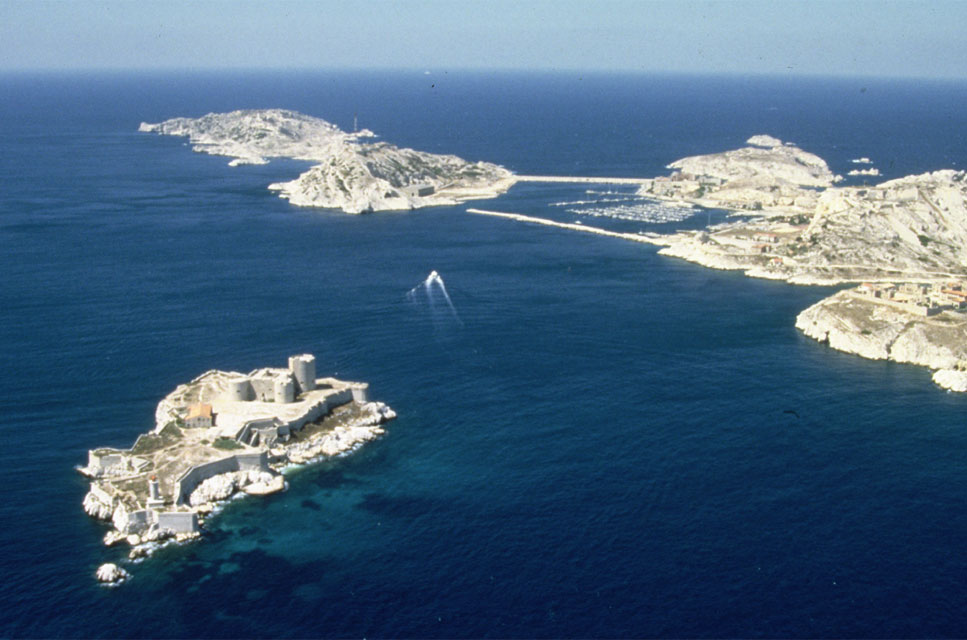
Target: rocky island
904,239
222,434
794,225
350,172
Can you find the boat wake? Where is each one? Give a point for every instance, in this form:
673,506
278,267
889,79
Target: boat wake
433,293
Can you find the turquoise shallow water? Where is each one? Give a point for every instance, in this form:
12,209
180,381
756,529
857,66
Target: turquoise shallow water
597,446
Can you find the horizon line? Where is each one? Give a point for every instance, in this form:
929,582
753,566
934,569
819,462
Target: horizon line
63,71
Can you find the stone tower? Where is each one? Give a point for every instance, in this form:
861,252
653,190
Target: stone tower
303,368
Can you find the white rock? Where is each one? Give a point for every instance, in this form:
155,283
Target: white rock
772,163
143,550
351,175
220,487
95,508
763,140
274,484
113,537
112,574
880,332
951,379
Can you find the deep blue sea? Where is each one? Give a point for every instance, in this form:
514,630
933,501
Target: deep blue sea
600,443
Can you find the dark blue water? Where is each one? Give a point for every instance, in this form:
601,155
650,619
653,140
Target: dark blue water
598,447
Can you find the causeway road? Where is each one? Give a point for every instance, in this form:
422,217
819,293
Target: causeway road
584,179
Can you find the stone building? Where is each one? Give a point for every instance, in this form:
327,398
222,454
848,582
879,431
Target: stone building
199,416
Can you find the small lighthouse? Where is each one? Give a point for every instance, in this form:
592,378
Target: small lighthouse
154,493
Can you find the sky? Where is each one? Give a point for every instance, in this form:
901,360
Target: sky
858,38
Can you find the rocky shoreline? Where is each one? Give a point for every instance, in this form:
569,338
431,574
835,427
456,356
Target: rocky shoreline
798,227
162,490
792,223
867,328
349,172
213,493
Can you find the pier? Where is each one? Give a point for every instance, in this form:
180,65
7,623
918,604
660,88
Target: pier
635,237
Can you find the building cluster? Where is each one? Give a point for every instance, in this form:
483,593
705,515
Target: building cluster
275,385
258,410
748,193
917,298
281,386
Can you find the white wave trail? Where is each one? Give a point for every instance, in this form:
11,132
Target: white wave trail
432,287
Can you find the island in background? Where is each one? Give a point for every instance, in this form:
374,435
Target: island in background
792,222
905,239
349,173
218,435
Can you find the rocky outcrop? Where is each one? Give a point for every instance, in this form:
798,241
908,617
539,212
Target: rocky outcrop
224,486
349,174
952,379
378,177
341,439
913,225
766,161
214,489
873,330
97,508
913,228
268,486
252,136
848,324
110,574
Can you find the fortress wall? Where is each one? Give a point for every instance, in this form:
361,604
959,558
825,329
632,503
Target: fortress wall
321,409
178,521
264,389
340,398
259,424
104,461
197,474
249,461
194,476
361,394
146,435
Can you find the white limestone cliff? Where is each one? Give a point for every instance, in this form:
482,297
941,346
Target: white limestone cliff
96,508
912,225
952,379
879,332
